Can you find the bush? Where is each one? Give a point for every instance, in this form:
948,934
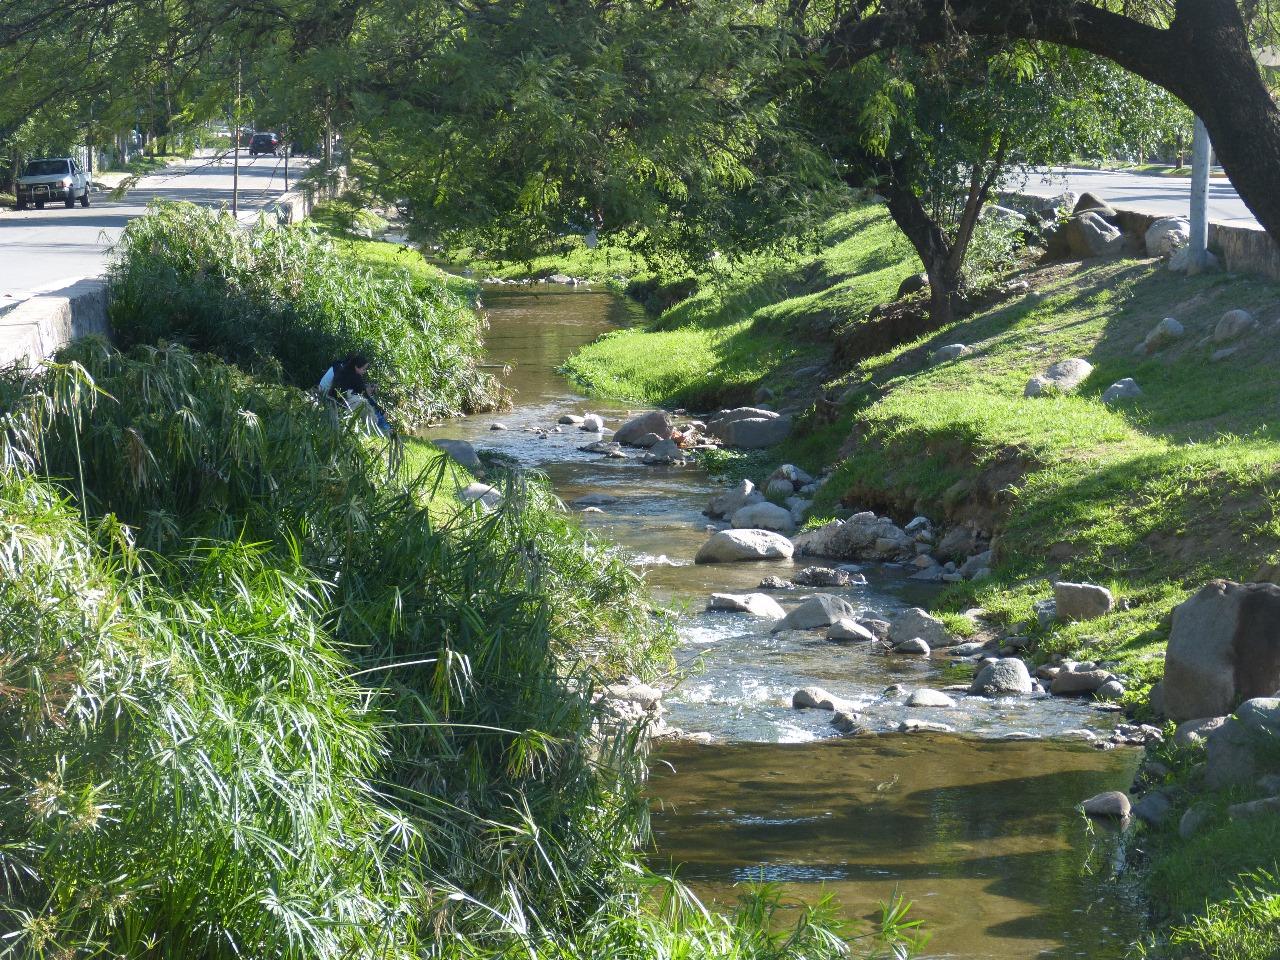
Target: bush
286,296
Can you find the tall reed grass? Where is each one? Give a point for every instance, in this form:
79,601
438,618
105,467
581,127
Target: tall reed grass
287,295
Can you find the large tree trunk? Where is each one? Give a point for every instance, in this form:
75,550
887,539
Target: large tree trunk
1203,58
931,245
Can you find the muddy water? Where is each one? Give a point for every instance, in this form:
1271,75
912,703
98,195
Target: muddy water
979,829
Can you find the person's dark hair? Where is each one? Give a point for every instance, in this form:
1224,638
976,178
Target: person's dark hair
358,360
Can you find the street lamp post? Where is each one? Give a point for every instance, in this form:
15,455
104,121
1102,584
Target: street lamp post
1200,155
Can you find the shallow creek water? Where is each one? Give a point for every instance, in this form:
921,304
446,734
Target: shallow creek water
978,829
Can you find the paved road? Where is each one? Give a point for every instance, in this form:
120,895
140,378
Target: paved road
46,249
1147,193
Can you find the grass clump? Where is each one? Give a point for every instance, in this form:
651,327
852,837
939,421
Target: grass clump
286,295
759,321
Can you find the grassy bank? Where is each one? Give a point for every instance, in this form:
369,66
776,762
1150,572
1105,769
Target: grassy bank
269,689
758,322
1150,496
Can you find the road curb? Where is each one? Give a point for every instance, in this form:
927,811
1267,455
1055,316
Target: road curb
41,325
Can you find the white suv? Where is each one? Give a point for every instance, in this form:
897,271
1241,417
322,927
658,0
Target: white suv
59,178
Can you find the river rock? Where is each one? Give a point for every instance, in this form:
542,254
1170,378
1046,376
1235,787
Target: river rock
764,516
827,577
911,725
1126,389
1254,808
864,536
595,500
775,583
592,423
979,561
729,546
757,604
820,610
849,630
790,474
952,351
570,420
638,428
606,447
1112,803
1162,334
1195,732
914,647
666,451
1234,323
1002,677
1165,237
919,623
1154,808
1232,755
749,428
924,697
1061,377
1193,820
1113,689
1081,601
1182,262
461,451
1068,682
778,488
730,501
1224,647
816,698
847,722
482,492
878,627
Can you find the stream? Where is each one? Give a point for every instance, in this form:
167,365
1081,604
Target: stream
978,828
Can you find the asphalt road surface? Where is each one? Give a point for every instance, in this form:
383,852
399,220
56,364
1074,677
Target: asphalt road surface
1146,193
43,250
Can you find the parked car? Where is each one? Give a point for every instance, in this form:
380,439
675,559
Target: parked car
264,143
56,178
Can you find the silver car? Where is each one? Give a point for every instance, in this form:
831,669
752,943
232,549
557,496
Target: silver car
58,178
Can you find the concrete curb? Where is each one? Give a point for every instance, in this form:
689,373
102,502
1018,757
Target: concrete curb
40,326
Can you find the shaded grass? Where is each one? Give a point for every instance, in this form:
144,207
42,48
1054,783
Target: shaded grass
569,255
755,322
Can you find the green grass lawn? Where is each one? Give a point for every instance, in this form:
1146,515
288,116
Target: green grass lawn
569,255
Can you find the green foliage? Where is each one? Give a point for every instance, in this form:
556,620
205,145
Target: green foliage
189,770
286,296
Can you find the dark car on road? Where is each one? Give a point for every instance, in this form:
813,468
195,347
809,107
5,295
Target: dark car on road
264,143
60,178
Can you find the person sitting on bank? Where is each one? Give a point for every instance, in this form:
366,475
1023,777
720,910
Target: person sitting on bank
346,382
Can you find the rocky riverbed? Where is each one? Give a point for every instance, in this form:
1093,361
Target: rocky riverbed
820,640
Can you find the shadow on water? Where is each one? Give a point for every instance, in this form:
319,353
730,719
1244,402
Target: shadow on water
982,834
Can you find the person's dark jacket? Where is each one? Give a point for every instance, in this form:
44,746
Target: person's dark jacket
348,380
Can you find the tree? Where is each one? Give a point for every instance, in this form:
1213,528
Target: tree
1198,50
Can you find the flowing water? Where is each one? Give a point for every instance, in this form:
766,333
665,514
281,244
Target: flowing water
979,829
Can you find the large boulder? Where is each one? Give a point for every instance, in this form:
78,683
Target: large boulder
1113,803
848,630
480,493
637,428
1002,678
1224,647
816,698
952,351
1061,377
1165,237
664,451
749,428
919,623
1068,682
729,502
461,451
756,604
764,516
1081,601
864,536
820,610
1088,235
729,546
1089,203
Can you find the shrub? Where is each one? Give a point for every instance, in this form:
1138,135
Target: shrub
287,296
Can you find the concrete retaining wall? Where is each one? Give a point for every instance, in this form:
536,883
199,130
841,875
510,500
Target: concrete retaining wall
38,327
296,205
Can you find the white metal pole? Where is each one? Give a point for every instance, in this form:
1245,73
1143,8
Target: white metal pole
1199,243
